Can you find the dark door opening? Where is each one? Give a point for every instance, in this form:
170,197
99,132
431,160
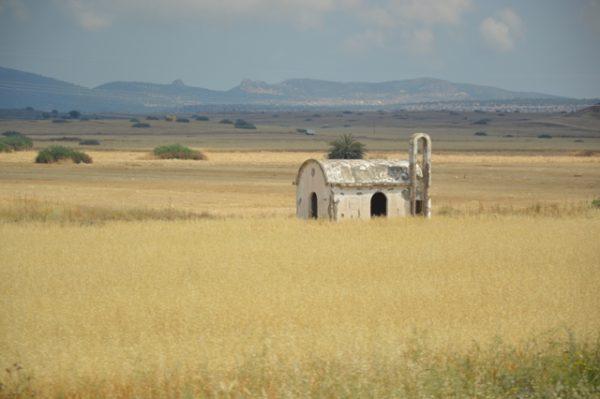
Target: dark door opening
314,206
378,205
419,207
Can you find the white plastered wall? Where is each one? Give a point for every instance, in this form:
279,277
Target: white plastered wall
355,203
311,179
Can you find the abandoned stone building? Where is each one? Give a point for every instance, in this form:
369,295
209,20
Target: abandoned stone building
339,189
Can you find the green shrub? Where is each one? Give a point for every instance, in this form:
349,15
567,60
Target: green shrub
346,147
64,138
134,120
202,118
89,142
596,203
5,147
242,124
183,120
59,121
177,151
57,153
480,134
141,125
544,136
226,121
152,118
14,141
74,114
12,133
483,121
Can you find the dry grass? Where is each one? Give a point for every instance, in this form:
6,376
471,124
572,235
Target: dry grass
28,210
276,307
260,182
294,158
494,297
538,209
378,131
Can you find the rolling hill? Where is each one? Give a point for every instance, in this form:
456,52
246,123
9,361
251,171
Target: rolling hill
22,89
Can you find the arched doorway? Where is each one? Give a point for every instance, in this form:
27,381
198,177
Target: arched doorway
378,205
314,206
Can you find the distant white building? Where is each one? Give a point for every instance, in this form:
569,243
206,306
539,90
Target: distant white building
340,189
308,132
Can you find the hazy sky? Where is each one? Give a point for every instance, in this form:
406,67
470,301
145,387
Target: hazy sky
548,46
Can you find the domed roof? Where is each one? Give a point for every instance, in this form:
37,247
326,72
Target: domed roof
364,172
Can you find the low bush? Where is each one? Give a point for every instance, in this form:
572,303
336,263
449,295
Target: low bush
134,120
585,153
483,121
152,118
59,121
141,125
12,133
183,120
89,142
242,124
74,114
544,136
596,203
202,118
177,151
226,121
64,138
480,134
57,153
14,141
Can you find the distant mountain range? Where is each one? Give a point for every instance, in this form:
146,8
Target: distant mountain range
20,89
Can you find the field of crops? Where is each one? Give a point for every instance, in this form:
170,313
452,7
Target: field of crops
474,306
134,277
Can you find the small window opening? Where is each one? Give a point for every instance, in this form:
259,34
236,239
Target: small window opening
378,205
314,206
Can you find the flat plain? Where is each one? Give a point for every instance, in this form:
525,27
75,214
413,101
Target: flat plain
138,277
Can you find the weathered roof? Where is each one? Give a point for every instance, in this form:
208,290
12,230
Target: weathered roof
364,172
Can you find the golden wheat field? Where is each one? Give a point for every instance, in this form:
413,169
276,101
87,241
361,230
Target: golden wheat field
259,183
284,308
134,277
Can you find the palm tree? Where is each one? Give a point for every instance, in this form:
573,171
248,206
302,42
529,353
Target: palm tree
346,147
